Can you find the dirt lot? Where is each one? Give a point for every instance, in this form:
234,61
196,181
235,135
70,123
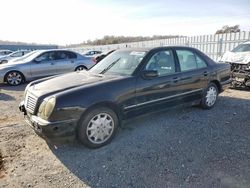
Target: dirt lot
182,147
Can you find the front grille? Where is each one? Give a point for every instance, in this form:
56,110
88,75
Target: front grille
30,103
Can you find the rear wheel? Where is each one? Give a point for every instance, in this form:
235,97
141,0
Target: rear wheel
209,96
97,128
14,78
3,61
79,68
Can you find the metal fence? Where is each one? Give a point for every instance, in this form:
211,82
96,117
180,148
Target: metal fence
212,45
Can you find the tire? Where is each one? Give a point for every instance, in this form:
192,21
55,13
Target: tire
209,96
4,61
14,78
97,128
79,68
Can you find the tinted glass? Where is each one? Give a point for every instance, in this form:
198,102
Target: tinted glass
200,62
189,61
119,62
163,62
71,55
47,56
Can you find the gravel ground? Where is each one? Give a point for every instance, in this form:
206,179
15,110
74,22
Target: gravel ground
181,147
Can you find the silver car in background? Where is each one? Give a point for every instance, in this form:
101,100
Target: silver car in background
42,63
13,55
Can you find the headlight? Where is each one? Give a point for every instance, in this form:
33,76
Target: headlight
47,107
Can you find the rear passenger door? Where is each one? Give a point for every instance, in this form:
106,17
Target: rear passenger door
194,73
65,61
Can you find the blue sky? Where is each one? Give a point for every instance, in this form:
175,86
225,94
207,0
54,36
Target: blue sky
74,21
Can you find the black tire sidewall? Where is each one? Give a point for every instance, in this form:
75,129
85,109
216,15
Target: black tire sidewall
84,68
203,100
83,123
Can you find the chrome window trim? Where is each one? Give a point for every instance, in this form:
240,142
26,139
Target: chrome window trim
161,99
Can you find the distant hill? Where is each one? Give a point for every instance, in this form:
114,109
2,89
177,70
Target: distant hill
4,42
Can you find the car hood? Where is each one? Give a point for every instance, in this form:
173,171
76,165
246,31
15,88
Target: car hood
236,57
65,82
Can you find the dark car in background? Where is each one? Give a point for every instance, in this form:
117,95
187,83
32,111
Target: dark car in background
91,104
98,58
92,53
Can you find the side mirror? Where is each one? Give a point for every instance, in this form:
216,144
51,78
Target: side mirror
37,60
149,74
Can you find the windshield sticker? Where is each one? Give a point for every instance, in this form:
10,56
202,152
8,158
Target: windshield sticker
137,53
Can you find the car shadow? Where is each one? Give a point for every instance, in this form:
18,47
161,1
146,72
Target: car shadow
13,88
180,147
5,97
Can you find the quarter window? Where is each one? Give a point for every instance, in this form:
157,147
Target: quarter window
189,61
163,62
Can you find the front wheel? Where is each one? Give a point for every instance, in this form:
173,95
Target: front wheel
97,128
14,78
209,96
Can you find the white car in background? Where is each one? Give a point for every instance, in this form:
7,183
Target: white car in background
13,55
239,58
5,52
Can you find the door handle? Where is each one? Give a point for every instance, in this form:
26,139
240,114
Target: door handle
176,79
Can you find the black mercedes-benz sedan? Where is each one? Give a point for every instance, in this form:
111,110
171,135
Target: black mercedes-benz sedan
129,82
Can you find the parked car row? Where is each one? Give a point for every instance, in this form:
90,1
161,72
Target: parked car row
5,52
13,55
42,63
91,105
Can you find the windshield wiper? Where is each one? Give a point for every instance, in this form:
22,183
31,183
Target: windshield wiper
110,66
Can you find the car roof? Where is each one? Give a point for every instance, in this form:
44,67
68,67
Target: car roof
52,50
155,48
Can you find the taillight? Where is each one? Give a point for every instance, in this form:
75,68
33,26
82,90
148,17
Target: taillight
94,59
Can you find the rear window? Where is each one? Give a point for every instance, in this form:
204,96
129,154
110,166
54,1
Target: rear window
242,48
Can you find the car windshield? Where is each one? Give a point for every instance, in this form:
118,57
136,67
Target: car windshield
242,48
119,62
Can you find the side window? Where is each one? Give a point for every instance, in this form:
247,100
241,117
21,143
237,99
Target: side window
47,56
189,61
61,55
200,62
17,54
71,55
163,62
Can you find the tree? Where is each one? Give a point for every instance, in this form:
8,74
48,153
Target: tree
228,29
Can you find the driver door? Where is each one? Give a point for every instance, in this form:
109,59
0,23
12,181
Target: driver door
44,65
161,91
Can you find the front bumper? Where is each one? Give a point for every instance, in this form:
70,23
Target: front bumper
51,130
226,84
